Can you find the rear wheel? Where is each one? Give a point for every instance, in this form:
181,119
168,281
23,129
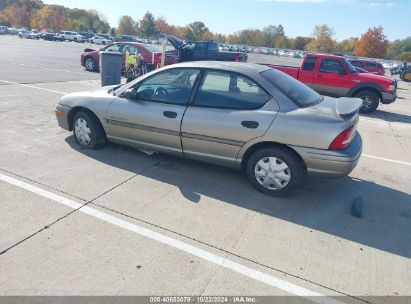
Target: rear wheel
370,99
90,64
406,76
274,170
88,131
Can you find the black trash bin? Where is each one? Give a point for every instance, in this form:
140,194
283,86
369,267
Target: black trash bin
110,68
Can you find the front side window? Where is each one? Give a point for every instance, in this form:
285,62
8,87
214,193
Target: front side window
114,48
228,90
331,66
356,64
172,86
129,48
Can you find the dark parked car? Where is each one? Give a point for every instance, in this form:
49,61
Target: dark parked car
368,65
51,37
203,50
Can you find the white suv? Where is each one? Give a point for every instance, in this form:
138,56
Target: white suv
72,36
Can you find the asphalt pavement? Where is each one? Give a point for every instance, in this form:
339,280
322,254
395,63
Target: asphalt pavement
116,221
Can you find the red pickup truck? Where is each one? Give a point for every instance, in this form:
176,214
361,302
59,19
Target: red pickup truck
335,76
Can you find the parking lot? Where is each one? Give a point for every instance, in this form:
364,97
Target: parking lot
116,221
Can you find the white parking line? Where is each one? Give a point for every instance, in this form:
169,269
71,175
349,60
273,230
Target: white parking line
387,159
205,255
52,69
33,87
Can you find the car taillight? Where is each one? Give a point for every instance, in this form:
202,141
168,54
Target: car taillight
236,58
343,140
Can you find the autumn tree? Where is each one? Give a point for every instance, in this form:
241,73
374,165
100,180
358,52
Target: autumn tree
126,26
322,39
372,43
147,25
163,28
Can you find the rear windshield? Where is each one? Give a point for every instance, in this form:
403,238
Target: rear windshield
298,92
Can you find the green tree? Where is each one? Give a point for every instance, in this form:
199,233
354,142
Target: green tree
126,26
347,45
147,26
198,28
322,39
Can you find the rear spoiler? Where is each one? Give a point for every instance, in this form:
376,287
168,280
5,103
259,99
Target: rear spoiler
348,105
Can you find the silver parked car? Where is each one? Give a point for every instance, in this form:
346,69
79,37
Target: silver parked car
245,116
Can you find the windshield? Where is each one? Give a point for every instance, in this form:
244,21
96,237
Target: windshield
350,67
298,92
152,48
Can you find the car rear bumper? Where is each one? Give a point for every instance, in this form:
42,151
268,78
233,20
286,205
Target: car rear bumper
62,117
321,162
388,98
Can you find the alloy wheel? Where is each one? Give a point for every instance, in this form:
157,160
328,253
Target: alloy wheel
89,64
367,102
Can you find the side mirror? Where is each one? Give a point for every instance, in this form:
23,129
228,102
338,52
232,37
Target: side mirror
130,94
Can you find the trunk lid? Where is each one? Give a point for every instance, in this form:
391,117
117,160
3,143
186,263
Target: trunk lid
338,107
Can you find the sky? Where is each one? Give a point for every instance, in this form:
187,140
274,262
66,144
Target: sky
348,18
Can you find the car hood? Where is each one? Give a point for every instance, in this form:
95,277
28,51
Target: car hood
337,107
368,77
174,41
87,98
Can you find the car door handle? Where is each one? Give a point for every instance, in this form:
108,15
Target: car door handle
170,114
319,75
250,124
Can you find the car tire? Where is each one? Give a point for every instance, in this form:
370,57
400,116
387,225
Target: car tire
103,43
88,131
90,64
275,170
406,76
371,101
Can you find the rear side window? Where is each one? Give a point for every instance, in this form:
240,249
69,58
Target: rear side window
371,65
227,90
331,66
309,63
298,92
114,48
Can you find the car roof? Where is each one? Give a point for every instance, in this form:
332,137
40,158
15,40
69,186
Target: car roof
239,67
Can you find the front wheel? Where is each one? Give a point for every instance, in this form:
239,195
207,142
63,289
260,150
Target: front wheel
406,76
90,64
370,101
274,170
88,131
